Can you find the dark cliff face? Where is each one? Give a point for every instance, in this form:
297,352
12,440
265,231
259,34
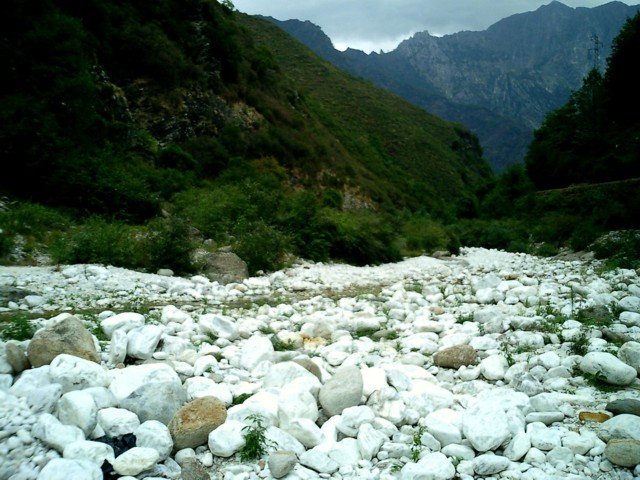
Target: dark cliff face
500,82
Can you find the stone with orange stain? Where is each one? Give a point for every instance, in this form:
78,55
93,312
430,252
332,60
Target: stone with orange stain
594,416
192,424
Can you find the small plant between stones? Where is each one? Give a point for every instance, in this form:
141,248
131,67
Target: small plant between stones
416,447
256,443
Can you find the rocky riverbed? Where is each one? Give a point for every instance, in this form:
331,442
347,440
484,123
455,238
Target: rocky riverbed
485,365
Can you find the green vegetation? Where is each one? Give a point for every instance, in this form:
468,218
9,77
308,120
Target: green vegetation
581,177
139,130
256,442
16,327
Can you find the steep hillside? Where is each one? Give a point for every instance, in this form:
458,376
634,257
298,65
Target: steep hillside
110,98
499,82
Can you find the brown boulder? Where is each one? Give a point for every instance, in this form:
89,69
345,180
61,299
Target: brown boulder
192,424
456,357
68,336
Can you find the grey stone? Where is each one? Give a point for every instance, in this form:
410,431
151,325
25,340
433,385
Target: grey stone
12,294
225,267
67,336
281,463
16,358
624,405
629,353
192,469
156,401
456,357
342,390
624,452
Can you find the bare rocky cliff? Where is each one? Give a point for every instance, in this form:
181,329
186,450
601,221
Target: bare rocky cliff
500,82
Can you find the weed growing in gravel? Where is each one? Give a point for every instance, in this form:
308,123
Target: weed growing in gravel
597,380
257,444
416,447
266,330
364,332
241,398
17,327
282,346
580,345
464,317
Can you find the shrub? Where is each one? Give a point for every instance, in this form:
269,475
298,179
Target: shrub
6,243
620,249
363,237
547,250
425,235
261,245
98,241
168,245
504,234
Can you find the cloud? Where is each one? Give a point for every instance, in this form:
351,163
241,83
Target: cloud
381,24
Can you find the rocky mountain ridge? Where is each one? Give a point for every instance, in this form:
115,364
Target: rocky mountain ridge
500,82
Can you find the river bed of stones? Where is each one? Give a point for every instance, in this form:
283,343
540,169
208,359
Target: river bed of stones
484,365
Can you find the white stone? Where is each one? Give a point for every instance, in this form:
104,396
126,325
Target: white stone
629,353
305,431
444,425
75,373
578,443
613,370
54,434
135,461
319,461
156,435
283,373
432,466
543,437
204,364
126,321
171,313
460,451
630,319
345,452
227,439
494,367
630,303
198,387
125,381
517,447
255,350
118,347
78,408
117,421
142,341
70,469
95,452
486,426
369,441
373,378
283,440
353,417
560,457
489,464
294,403
219,326
426,397
625,425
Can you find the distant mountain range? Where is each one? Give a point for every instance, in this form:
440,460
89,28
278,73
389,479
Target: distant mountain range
501,82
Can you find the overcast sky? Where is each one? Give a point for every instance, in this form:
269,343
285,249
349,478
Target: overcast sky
381,24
